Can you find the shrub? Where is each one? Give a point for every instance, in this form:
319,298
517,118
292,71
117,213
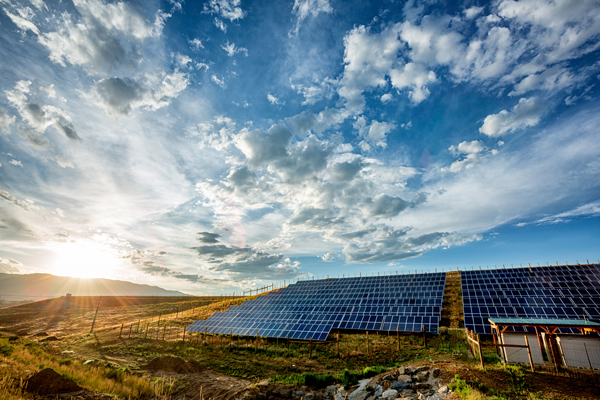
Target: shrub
66,361
7,349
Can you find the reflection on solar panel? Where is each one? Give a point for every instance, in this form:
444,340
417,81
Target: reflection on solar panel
567,292
311,309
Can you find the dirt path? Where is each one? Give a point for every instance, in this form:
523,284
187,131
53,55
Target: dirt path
209,384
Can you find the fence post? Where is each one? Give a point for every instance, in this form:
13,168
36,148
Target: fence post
481,352
288,345
338,345
256,343
183,335
398,337
529,353
146,335
130,327
424,337
96,314
121,331
165,332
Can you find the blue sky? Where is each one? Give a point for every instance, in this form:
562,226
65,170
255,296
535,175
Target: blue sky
215,146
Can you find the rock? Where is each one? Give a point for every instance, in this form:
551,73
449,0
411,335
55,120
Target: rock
420,369
371,398
407,392
299,394
408,370
401,371
47,381
361,392
436,372
390,394
421,376
404,378
378,390
401,385
331,389
421,386
387,384
287,393
443,389
390,377
309,396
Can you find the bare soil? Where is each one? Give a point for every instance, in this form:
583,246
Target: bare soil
47,381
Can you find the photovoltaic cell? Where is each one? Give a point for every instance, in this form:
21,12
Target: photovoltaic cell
311,309
565,292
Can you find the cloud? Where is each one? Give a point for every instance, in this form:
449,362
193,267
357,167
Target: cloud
585,210
196,44
229,9
63,162
16,163
10,266
274,100
6,121
374,134
122,96
208,237
182,61
23,23
106,37
469,154
525,114
39,116
305,8
27,205
217,133
231,50
220,82
472,12
329,256
260,146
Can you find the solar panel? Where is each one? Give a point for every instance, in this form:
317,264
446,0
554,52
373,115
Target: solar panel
311,309
565,292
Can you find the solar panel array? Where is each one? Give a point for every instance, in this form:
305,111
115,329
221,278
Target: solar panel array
566,292
311,309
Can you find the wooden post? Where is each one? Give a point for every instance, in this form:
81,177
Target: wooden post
212,339
310,348
504,357
529,353
146,335
495,341
165,332
589,362
539,338
480,352
95,315
337,343
121,331
158,323
368,346
288,345
398,337
130,327
177,315
138,327
205,334
230,338
424,337
183,335
554,353
256,344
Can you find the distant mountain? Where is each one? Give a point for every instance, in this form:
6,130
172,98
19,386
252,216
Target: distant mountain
16,287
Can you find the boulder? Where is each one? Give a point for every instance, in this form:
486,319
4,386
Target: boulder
404,378
421,376
309,396
390,377
420,369
361,392
443,389
401,371
390,394
401,385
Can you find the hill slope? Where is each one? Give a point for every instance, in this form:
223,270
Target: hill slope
36,286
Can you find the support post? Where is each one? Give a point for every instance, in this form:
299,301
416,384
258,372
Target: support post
310,348
424,337
230,338
146,334
96,314
288,345
589,362
121,331
529,354
337,343
256,343
480,352
130,327
368,346
183,335
165,332
398,337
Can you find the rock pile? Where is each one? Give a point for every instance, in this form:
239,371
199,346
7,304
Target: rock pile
422,383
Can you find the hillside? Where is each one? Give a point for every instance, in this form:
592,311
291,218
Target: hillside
16,287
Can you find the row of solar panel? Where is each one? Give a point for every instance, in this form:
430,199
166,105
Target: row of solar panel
556,299
310,309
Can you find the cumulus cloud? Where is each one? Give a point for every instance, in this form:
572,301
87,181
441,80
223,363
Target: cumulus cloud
305,8
217,133
16,163
263,146
107,36
196,44
232,50
375,133
220,82
469,154
27,205
329,256
228,9
525,114
39,116
274,100
122,96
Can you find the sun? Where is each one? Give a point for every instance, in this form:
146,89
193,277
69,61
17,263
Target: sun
86,259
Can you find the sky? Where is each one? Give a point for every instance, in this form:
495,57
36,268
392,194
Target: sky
216,146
